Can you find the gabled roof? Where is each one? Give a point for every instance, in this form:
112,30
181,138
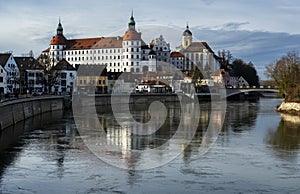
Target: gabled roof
63,65
92,70
90,43
28,63
4,58
198,47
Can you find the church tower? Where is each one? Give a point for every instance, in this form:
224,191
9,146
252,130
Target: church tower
186,37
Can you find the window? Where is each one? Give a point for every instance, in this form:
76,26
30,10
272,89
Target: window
131,63
1,79
137,56
132,49
63,75
63,83
71,74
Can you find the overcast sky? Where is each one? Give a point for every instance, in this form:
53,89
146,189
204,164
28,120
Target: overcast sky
30,24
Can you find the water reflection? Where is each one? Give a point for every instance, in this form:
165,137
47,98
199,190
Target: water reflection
14,139
241,116
285,140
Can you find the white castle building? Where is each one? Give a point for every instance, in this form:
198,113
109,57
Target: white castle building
120,54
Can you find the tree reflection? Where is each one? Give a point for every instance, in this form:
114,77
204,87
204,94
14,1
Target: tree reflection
286,137
241,116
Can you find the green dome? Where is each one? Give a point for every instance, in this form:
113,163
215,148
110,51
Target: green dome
59,26
131,21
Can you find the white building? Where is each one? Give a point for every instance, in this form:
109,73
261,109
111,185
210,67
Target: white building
9,64
120,54
63,77
197,53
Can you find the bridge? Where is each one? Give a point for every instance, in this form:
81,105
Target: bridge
227,92
235,91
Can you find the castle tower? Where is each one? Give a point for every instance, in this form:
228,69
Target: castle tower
132,51
57,45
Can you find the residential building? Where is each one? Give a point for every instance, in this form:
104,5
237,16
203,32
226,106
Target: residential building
92,79
3,84
32,76
177,60
62,78
9,64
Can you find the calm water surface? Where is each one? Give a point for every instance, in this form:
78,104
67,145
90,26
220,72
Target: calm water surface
256,152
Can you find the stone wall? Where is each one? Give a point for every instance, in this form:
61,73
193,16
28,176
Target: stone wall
14,111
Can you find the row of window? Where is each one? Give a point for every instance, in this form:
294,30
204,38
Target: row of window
103,58
102,51
11,66
131,43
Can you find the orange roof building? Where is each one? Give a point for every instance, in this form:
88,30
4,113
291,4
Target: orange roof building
127,53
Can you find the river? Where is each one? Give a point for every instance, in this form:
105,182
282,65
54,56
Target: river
257,151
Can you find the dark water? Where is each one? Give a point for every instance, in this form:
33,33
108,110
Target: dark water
257,151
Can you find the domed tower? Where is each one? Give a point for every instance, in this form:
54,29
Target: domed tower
187,37
132,51
57,45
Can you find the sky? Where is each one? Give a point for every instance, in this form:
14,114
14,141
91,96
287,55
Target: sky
253,30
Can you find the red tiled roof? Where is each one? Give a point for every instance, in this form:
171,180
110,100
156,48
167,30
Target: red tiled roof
132,35
176,54
46,50
58,40
89,43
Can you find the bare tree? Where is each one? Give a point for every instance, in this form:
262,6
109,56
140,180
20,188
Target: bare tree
285,72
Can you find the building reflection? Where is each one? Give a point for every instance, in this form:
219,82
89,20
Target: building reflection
124,140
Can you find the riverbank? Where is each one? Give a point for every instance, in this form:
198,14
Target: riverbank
289,107
14,111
